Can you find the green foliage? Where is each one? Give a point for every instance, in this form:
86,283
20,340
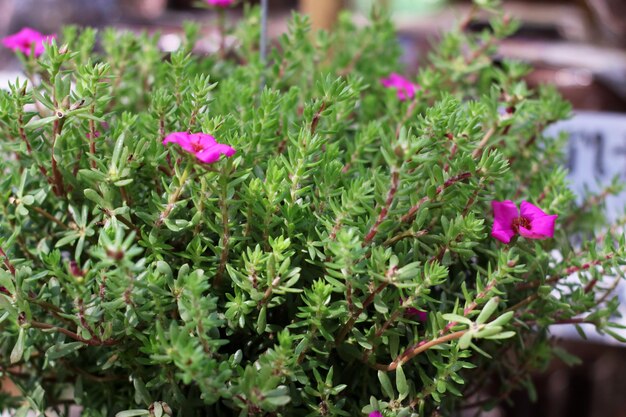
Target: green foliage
283,281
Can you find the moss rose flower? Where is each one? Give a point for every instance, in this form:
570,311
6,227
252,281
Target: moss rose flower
530,222
220,3
404,87
25,40
203,146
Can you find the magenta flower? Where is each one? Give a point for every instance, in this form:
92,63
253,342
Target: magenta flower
375,414
419,315
203,146
220,3
531,222
412,311
25,39
405,88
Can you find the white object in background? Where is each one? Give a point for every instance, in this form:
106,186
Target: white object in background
7,77
596,153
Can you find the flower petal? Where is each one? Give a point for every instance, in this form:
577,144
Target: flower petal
531,211
504,212
212,154
541,228
405,89
390,81
419,315
25,39
205,140
503,235
183,139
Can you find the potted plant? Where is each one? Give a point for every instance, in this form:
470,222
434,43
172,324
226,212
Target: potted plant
315,234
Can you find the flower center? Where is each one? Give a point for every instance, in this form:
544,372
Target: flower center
520,222
197,146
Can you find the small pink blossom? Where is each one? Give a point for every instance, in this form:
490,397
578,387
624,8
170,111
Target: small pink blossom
419,314
25,39
375,414
531,222
203,146
220,3
405,88
75,269
412,311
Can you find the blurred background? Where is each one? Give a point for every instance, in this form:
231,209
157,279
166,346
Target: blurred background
579,46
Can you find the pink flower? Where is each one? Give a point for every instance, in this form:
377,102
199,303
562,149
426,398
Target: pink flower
25,39
220,3
419,315
203,146
412,311
375,414
75,269
531,222
405,88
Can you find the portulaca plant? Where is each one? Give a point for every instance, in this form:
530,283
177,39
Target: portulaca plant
315,234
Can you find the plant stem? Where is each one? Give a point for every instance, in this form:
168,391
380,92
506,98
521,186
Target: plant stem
479,148
316,118
175,196
448,183
407,115
395,179
50,217
417,349
370,298
225,230
7,262
92,137
424,345
72,335
59,187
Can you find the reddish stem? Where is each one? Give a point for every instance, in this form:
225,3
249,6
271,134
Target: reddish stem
7,262
370,298
448,183
395,179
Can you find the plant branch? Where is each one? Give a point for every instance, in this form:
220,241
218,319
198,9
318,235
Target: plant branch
479,148
72,335
395,179
419,348
370,298
50,217
7,262
448,183
568,271
223,204
174,196
316,118
56,174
